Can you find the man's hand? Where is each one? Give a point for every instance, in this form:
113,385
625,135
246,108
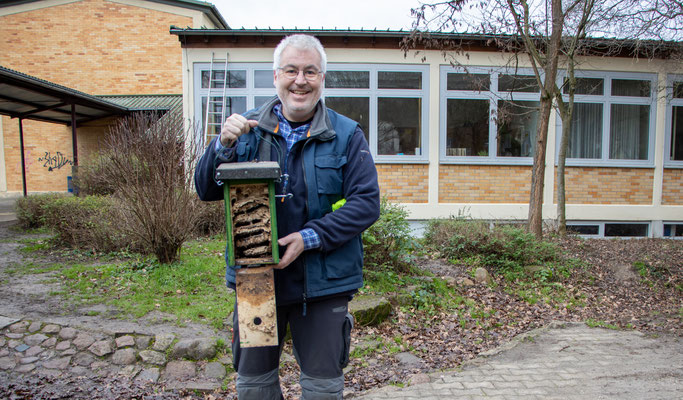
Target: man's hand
234,127
295,246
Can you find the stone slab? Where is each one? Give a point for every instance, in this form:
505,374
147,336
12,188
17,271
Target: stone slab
7,321
22,347
148,375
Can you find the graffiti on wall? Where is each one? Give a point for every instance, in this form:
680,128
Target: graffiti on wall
28,160
56,161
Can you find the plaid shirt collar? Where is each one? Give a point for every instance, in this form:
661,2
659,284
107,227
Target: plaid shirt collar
290,135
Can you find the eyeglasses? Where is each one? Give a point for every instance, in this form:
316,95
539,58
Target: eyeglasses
310,75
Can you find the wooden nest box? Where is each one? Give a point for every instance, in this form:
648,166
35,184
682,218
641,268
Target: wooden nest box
250,221
251,227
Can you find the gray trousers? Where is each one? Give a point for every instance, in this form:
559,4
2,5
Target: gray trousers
321,341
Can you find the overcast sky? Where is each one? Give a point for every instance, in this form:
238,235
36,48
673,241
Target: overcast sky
316,14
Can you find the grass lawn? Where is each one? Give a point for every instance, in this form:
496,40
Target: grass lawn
192,289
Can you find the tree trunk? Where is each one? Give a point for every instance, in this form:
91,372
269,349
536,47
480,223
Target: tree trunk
538,170
566,116
547,96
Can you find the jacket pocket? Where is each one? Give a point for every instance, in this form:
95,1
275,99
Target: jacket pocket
344,261
328,173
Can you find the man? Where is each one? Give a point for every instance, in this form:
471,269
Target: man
325,162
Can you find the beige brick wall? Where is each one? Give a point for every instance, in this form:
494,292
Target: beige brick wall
91,137
593,185
672,190
95,46
47,151
484,184
404,183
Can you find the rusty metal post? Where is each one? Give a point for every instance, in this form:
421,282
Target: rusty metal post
23,161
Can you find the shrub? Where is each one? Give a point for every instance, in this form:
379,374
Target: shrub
31,209
87,223
210,218
504,248
92,177
150,164
388,242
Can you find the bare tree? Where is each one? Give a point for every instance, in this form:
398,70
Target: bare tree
624,27
551,34
566,109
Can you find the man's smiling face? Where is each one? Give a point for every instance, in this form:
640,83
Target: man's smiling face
299,95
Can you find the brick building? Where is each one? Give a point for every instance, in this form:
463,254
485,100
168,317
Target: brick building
438,148
440,142
120,49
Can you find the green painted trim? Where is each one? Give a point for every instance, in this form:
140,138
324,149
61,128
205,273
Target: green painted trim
228,224
273,223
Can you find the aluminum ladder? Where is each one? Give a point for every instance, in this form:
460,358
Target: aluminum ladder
215,106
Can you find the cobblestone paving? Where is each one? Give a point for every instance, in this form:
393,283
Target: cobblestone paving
563,361
28,347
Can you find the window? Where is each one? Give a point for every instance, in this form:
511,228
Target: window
388,101
626,230
674,123
673,230
488,115
609,229
613,120
244,87
584,230
356,108
516,123
467,127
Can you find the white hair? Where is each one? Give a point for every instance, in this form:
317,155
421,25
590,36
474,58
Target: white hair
301,42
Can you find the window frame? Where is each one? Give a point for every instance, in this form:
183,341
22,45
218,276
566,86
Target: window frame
492,95
674,228
671,102
607,100
250,91
373,93
601,228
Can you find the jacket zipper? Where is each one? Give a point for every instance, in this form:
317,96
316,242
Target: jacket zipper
303,259
303,167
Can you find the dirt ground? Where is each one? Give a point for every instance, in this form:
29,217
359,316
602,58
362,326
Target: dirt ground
29,296
611,290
